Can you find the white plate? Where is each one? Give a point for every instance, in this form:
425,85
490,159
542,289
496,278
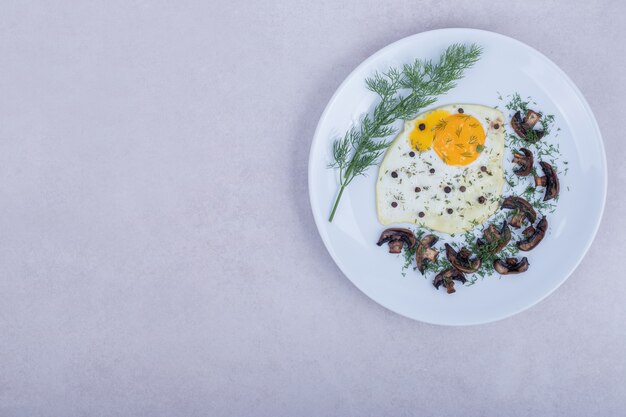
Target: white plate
506,66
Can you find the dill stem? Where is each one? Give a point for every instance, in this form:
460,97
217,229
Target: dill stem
332,213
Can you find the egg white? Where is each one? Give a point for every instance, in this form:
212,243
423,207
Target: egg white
432,200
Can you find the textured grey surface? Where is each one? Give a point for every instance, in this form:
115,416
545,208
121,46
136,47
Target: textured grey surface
158,256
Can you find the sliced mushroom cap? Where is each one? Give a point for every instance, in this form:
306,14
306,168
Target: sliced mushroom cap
461,260
510,266
525,162
525,127
494,238
523,210
397,238
447,278
533,235
425,252
549,180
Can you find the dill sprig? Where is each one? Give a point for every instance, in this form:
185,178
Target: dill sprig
403,93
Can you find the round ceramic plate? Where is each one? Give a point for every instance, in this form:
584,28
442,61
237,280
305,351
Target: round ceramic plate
507,66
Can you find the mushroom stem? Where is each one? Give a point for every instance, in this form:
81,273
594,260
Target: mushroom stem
531,119
425,252
517,219
540,181
396,246
431,253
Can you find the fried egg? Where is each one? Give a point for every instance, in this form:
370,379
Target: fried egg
444,169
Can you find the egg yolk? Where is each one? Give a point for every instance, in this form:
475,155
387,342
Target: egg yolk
458,139
423,133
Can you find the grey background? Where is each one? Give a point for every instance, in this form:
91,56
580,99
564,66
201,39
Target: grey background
158,256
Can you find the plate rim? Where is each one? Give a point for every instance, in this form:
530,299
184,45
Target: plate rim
565,77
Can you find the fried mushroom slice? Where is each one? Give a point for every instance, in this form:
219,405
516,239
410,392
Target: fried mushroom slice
525,127
533,235
525,162
447,278
550,180
495,239
510,266
425,252
397,238
461,260
522,210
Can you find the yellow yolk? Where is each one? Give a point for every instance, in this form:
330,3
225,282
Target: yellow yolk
458,139
423,133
